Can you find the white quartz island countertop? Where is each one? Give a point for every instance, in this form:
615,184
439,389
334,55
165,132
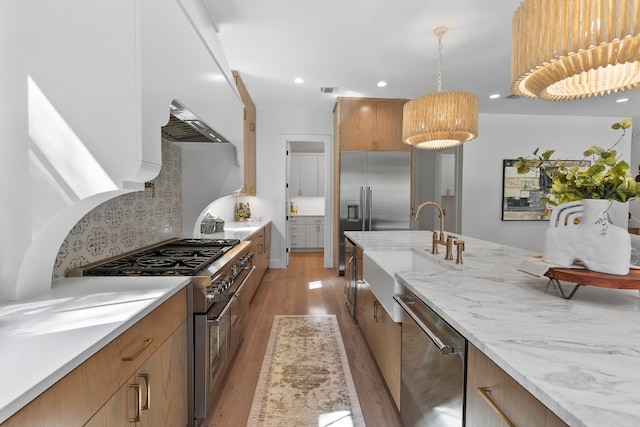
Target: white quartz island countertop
45,337
579,357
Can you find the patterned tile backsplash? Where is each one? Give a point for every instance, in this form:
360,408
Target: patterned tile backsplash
130,221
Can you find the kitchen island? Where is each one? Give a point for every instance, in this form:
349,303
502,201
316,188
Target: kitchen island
579,357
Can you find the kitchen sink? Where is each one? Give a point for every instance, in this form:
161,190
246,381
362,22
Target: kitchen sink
380,268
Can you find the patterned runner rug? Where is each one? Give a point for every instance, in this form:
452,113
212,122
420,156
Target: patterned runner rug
305,378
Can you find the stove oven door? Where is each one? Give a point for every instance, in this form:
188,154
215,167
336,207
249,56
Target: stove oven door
212,334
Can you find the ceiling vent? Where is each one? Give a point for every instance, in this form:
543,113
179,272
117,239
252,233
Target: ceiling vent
184,126
328,89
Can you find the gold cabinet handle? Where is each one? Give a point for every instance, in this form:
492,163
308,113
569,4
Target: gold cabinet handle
136,418
147,404
484,392
145,343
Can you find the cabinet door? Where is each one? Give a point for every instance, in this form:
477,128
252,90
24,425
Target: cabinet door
357,124
321,161
295,188
165,396
388,351
308,175
122,409
515,403
389,126
156,394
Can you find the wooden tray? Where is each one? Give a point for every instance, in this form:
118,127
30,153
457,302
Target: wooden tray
591,278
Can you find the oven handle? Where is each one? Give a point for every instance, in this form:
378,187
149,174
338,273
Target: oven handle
445,349
224,311
244,281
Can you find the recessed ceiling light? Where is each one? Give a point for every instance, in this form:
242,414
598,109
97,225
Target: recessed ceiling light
622,100
298,80
382,84
494,96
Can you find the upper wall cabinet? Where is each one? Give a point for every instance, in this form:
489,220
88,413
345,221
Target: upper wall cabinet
369,124
306,177
249,130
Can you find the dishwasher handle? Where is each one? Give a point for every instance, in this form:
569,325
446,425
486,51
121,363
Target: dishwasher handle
445,349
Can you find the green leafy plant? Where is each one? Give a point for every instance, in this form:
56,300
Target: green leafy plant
606,178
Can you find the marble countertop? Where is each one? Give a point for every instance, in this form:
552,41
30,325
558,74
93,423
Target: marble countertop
580,357
45,337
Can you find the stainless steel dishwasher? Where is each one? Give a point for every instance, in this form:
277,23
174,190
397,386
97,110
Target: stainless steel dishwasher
433,367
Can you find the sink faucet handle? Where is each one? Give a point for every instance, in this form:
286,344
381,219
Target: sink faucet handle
449,254
434,243
459,249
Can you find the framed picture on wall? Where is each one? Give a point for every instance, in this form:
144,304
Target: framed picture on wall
522,193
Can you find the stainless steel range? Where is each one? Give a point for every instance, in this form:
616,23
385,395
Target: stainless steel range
217,307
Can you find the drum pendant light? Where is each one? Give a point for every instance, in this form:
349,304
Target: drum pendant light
572,49
442,119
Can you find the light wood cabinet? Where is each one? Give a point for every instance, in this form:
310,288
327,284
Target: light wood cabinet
369,124
75,398
383,336
509,397
261,248
249,132
154,395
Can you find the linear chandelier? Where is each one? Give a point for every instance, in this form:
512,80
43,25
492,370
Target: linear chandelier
572,49
442,119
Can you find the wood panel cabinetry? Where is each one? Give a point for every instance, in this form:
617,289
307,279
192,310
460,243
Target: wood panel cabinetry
261,249
383,336
369,124
249,132
151,353
154,395
505,398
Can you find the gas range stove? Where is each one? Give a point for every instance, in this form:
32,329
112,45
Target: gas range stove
182,257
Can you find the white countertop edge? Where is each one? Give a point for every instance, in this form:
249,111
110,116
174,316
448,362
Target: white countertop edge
13,404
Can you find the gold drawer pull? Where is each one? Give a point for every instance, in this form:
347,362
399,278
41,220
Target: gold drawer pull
484,392
136,418
145,343
147,404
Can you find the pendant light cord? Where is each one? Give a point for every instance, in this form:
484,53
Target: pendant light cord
440,31
439,62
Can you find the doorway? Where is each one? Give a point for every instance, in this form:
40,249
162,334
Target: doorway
308,195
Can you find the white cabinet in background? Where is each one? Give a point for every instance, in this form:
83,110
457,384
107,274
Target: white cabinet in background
447,174
306,232
306,176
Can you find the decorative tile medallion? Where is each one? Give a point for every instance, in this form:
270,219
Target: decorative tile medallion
305,378
130,221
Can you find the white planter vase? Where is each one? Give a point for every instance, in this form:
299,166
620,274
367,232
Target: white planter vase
595,242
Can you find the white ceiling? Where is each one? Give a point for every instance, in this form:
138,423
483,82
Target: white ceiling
352,44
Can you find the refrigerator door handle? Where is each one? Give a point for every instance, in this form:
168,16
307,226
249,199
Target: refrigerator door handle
370,206
363,208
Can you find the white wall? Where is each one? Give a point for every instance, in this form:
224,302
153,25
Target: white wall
503,136
273,126
86,87
209,171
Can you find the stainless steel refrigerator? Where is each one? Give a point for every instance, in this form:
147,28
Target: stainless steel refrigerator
375,193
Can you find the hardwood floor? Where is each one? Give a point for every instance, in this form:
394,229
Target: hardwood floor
288,291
